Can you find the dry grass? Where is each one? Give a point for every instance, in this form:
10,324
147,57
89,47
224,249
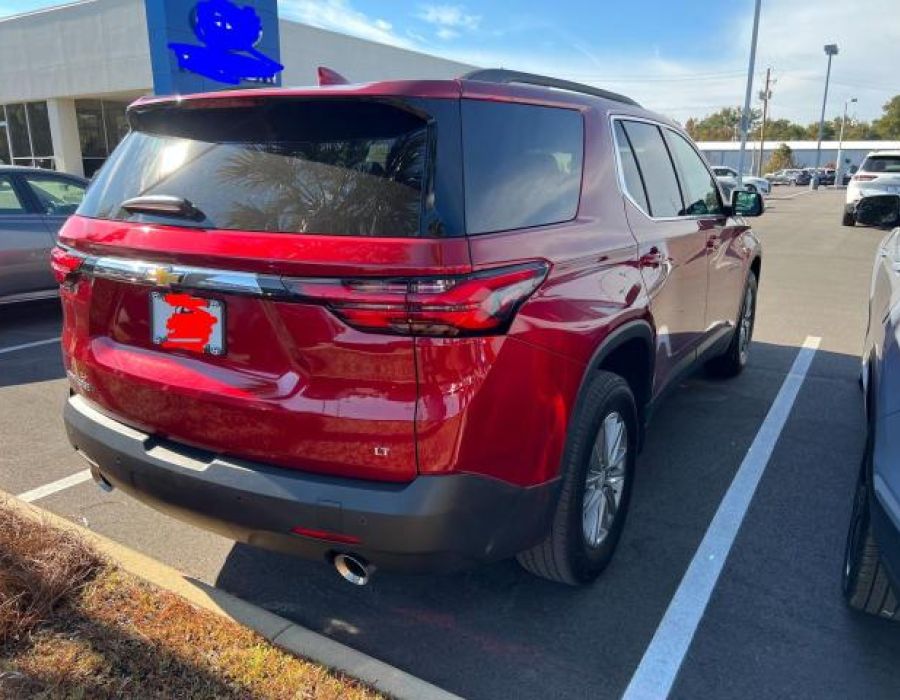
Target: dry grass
72,626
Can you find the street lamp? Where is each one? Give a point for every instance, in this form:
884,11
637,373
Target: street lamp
839,170
745,115
830,51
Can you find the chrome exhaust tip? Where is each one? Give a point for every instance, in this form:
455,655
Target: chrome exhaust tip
98,478
353,569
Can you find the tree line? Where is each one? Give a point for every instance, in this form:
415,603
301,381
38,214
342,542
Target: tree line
724,125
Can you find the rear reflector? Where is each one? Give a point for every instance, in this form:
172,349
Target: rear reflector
863,178
65,264
325,535
480,303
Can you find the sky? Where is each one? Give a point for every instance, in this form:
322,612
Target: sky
680,57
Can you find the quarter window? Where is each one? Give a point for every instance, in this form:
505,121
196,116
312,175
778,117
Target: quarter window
522,165
701,194
656,168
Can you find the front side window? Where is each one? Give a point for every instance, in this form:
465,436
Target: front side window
701,194
56,195
522,165
656,168
10,204
288,166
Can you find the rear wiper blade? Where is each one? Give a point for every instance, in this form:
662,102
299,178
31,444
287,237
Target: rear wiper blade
163,205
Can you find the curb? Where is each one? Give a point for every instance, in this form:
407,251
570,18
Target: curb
279,631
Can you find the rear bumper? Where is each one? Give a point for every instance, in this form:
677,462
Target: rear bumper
433,523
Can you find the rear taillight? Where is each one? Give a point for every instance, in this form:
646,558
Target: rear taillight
863,178
65,264
481,303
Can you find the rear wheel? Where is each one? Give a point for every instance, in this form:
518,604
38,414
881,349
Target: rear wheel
865,583
734,359
597,472
848,219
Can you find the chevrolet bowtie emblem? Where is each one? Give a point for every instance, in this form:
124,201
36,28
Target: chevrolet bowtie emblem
163,276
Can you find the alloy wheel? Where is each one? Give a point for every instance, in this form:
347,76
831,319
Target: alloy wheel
605,481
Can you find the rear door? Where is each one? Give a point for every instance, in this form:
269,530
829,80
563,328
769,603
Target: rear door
293,220
671,246
24,242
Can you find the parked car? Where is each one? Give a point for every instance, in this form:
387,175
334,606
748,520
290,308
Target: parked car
34,203
411,325
783,177
800,177
750,183
878,174
871,575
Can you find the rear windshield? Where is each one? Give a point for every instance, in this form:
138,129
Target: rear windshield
290,166
882,164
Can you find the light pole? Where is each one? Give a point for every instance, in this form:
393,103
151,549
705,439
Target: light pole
745,117
830,51
839,170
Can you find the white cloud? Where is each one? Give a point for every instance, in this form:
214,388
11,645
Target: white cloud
340,16
446,33
449,16
791,38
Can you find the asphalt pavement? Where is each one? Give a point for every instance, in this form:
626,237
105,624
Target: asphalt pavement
775,626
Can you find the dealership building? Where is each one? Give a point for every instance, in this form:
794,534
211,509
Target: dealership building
67,73
803,152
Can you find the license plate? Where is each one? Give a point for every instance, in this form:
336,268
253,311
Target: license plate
180,321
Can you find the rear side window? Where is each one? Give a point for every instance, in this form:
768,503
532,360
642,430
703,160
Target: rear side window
290,166
522,165
634,186
882,164
656,167
10,203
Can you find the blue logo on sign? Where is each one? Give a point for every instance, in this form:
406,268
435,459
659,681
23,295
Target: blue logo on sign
229,34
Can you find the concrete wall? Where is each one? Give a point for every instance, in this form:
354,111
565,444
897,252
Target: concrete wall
305,48
727,152
87,48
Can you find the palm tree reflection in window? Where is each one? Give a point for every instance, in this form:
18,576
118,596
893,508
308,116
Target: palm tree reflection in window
363,187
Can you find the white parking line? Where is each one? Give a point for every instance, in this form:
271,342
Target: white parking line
55,487
25,346
659,667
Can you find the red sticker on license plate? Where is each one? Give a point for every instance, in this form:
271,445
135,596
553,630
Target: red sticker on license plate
185,322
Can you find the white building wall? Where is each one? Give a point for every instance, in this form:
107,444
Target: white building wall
87,48
305,48
853,152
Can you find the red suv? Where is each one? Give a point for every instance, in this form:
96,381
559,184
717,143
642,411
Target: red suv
412,325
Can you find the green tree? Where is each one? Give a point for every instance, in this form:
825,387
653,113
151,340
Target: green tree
888,125
783,130
782,157
723,125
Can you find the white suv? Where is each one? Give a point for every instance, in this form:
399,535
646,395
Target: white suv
728,177
878,174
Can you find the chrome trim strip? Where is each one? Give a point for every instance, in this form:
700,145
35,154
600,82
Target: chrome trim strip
166,275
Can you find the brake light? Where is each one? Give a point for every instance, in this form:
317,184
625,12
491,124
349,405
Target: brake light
863,178
65,264
481,303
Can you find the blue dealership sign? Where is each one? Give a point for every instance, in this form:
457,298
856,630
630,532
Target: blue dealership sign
203,45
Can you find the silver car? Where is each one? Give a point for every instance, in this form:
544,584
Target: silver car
34,203
871,573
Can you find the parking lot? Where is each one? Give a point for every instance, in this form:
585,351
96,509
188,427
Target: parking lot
775,626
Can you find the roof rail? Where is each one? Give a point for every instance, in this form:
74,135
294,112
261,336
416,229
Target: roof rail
501,75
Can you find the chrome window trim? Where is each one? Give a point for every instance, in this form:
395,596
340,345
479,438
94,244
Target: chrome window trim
620,172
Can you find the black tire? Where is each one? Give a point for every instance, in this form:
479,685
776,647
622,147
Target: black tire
864,581
848,219
732,362
565,555
750,188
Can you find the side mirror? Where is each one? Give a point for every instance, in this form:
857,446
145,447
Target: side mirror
881,210
744,203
